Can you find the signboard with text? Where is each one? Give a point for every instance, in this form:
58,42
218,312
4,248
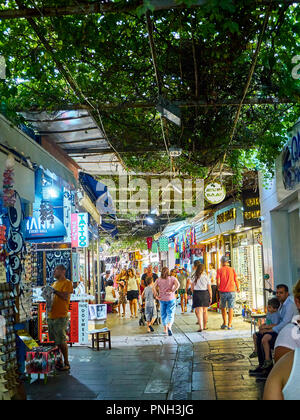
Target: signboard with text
251,206
79,230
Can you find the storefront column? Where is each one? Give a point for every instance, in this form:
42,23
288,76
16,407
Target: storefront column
281,248
98,273
93,268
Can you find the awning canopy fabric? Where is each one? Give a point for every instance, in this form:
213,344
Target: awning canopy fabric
175,228
98,193
14,139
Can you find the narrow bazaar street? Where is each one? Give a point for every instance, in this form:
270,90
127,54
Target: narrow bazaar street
149,203
212,365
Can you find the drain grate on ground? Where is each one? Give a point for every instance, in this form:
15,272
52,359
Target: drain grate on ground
223,357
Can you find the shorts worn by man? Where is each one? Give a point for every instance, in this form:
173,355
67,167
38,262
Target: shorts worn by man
58,316
227,285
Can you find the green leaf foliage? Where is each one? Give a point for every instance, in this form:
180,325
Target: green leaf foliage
203,53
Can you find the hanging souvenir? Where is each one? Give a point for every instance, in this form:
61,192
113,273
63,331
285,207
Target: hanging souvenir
149,242
154,247
8,182
163,244
2,235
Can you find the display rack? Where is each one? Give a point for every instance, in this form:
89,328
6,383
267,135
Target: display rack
9,376
42,361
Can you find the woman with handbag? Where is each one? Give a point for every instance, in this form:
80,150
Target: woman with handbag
202,296
164,290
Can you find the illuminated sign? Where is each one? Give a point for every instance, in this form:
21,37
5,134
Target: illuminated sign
226,216
214,193
251,205
204,228
79,230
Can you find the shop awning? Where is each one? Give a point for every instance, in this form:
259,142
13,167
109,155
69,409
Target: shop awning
101,199
109,228
174,228
14,139
98,193
78,134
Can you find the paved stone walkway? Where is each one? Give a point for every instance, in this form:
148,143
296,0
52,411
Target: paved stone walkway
188,366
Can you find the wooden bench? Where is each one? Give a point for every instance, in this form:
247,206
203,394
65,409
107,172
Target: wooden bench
100,336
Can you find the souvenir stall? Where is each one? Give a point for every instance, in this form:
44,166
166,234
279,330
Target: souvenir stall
247,253
24,210
135,259
14,302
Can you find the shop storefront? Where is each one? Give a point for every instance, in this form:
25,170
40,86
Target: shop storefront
22,170
234,231
280,215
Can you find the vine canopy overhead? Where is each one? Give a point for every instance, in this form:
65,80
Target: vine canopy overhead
227,67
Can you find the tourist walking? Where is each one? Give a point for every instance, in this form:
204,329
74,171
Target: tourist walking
227,285
202,296
132,292
195,265
183,287
164,290
212,274
150,305
122,288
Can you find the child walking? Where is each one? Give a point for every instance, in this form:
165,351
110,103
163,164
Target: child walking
272,318
150,306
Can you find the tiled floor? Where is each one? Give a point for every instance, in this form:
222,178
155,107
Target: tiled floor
188,366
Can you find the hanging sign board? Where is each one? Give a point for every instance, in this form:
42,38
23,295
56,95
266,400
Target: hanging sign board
79,230
83,321
214,193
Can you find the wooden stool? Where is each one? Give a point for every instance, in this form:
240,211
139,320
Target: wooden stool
102,336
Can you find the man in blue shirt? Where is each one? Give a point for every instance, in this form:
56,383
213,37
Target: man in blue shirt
286,311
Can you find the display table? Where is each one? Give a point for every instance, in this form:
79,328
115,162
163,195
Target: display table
42,360
101,336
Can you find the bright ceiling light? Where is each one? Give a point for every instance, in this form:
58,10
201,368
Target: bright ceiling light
150,220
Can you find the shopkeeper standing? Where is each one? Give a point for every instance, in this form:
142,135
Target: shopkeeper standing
58,317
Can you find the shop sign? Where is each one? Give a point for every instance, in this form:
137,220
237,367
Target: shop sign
204,228
79,230
226,216
83,309
251,205
73,325
291,161
214,192
52,229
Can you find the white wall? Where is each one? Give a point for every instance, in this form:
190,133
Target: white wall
279,245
